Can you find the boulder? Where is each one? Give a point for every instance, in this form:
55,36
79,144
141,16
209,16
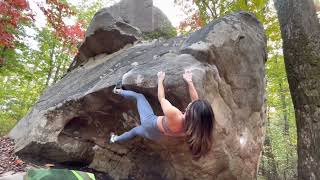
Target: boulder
227,58
141,14
105,35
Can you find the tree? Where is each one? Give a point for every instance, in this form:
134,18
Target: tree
269,167
13,14
29,71
71,35
20,82
208,10
280,125
300,31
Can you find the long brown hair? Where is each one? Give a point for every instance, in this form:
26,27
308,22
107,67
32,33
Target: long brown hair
198,124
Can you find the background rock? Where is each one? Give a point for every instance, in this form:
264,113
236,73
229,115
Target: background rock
104,35
141,14
227,59
122,24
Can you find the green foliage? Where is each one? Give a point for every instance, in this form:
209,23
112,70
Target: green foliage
18,91
280,106
167,32
27,74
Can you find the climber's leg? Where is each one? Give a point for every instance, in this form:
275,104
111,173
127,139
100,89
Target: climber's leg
145,110
149,128
139,130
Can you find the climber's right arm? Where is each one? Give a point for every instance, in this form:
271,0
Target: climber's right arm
187,76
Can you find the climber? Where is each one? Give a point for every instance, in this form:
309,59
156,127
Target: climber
196,124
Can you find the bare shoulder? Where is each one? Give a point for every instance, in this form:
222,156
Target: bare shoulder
174,114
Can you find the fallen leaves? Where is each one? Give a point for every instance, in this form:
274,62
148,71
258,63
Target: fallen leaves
8,160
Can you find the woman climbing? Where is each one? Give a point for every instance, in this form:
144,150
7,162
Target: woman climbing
196,124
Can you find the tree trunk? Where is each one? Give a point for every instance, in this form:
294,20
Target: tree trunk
300,31
272,174
284,109
271,170
2,54
51,66
286,127
56,75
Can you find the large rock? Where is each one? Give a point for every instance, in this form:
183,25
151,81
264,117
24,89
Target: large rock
105,35
122,24
140,13
227,58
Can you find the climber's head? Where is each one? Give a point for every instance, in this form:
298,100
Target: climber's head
198,124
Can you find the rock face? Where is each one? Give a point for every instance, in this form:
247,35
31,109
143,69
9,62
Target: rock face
227,58
140,13
104,35
123,23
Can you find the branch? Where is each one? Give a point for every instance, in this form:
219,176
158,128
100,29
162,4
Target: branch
207,5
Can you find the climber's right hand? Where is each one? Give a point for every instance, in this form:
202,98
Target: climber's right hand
187,76
161,76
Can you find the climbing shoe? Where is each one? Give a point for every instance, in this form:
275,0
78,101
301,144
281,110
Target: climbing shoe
112,138
117,89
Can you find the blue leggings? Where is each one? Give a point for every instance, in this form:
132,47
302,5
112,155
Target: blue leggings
148,128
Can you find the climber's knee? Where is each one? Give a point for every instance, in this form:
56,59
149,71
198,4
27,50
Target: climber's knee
140,131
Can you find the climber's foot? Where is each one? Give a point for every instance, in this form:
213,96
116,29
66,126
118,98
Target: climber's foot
118,88
112,138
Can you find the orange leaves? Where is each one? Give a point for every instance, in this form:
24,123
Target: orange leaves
22,4
73,35
193,22
18,162
68,34
74,32
12,13
6,39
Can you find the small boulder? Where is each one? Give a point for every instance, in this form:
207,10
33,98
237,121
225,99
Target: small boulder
105,35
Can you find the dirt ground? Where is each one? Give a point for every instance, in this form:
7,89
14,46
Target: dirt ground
8,160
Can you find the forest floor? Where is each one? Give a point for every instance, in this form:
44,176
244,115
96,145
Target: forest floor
12,164
9,162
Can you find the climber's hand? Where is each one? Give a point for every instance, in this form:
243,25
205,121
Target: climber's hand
187,76
161,76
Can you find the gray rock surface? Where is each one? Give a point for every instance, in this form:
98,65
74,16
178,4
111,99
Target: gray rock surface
140,13
13,176
227,58
105,35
